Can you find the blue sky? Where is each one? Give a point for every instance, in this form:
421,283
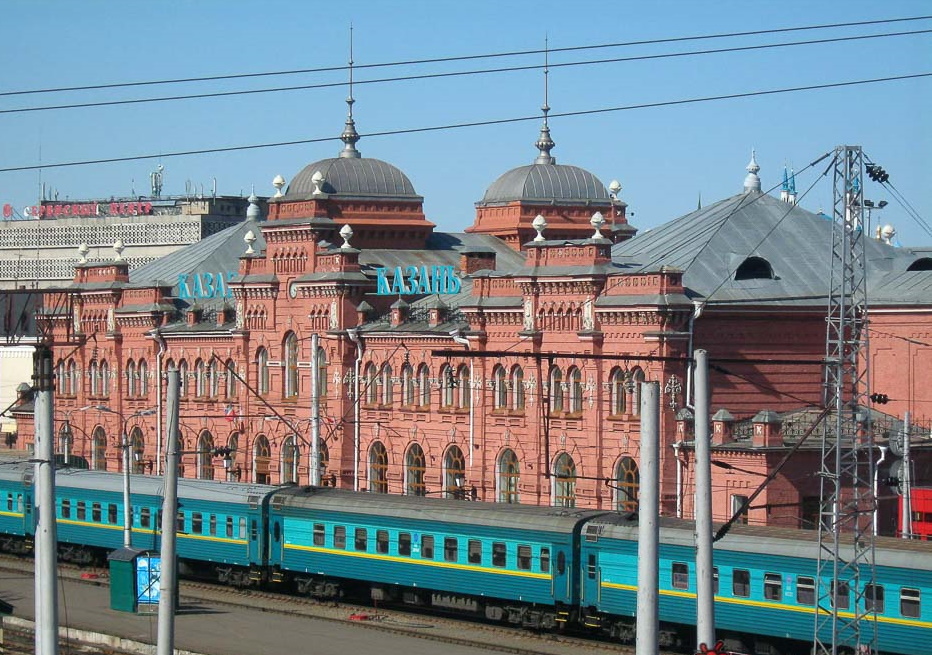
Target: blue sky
664,157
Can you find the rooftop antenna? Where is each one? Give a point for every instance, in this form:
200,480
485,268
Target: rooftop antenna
155,180
544,143
350,136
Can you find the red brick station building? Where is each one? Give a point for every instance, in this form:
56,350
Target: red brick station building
500,363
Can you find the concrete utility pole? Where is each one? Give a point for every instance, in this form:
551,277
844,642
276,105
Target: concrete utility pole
906,483
705,595
648,626
168,580
315,411
46,588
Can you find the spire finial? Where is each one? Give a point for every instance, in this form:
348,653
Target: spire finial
544,143
752,181
350,136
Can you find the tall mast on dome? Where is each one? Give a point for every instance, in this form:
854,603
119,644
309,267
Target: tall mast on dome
544,143
350,136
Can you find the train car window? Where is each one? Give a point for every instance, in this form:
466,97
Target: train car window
561,563
714,579
276,531
873,598
19,502
82,510
680,575
65,508
229,525
145,517
841,597
524,558
361,539
339,536
773,586
545,560
474,551
179,522
381,541
427,546
112,513
499,554
591,567
213,525
197,523
9,502
158,518
450,549
909,603
96,513
242,527
404,544
741,583
319,534
805,590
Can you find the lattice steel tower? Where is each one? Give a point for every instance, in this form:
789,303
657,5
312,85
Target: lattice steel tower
843,620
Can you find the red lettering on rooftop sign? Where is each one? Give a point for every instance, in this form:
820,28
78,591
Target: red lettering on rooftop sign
92,209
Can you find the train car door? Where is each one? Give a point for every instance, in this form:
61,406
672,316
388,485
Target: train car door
24,504
591,577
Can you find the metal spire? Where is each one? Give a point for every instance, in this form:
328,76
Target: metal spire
752,181
544,143
350,136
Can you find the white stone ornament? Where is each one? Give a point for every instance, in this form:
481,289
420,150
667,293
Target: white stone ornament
250,238
539,224
597,221
346,232
318,179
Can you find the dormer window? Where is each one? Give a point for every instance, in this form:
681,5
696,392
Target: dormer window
754,268
921,264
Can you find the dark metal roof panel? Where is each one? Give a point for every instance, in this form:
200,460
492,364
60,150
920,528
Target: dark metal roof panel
348,176
544,182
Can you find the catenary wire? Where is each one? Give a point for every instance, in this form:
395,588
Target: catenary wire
424,76
435,60
452,126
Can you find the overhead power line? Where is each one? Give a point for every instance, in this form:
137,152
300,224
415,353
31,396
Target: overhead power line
453,126
485,71
434,60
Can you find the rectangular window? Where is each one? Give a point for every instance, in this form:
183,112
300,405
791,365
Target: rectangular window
545,560
474,548
773,586
524,558
591,567
319,534
381,541
873,598
179,520
65,508
112,513
145,517
96,512
841,596
254,530
499,554
680,575
450,553
229,526
741,583
242,527
197,523
339,536
714,580
213,525
737,503
361,539
82,510
427,546
404,544
805,591
909,603
9,502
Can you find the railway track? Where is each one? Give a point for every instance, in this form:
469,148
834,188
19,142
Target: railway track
442,629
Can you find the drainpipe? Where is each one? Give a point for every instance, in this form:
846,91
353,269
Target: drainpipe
353,334
698,306
458,337
680,465
883,457
158,406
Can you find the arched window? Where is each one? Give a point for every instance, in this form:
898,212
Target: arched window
509,472
574,377
637,377
93,372
183,376
500,389
415,467
564,481
385,380
754,268
407,385
143,371
378,468
323,462
131,379
447,382
72,379
261,457
627,483
99,452
921,264
423,385
231,388
262,371
556,390
60,377
517,388
463,387
205,457
291,365
200,379
290,461
213,379
617,392
235,471
322,381
65,441
370,379
137,449
454,473
105,378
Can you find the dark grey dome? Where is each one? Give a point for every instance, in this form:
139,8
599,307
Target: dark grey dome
353,176
545,182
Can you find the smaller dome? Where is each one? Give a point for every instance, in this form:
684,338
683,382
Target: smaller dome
546,182
348,176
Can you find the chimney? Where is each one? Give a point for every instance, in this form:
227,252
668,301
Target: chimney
767,432
723,428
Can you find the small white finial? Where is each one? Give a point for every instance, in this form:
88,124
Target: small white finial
539,224
887,232
278,183
250,238
83,249
253,212
347,233
119,247
597,221
614,187
752,181
318,179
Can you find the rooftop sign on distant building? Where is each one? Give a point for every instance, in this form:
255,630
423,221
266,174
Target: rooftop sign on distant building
417,280
100,209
